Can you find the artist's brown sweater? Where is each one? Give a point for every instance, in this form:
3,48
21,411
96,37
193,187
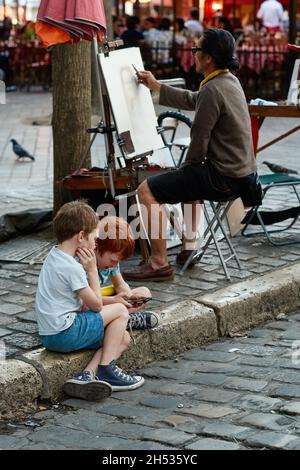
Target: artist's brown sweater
221,130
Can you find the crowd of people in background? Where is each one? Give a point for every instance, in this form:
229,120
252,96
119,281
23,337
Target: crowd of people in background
9,31
160,34
157,35
155,30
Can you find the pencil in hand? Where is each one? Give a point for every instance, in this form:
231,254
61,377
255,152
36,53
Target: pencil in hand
136,71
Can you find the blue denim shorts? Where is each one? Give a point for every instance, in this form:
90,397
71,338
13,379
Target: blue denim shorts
86,332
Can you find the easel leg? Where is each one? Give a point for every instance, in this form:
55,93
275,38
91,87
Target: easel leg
144,242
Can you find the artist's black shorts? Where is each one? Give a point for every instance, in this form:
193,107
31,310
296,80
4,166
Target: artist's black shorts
196,182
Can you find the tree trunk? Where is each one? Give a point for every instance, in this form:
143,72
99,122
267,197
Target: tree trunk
71,68
108,16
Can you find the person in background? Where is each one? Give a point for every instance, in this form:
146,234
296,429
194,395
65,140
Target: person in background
131,36
164,41
118,27
223,22
271,15
180,32
150,31
6,28
193,24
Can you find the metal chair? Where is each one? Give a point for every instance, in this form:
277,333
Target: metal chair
214,219
259,217
169,122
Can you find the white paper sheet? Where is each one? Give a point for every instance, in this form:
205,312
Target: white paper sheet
131,102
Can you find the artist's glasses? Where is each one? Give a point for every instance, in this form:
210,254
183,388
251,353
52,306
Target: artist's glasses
194,50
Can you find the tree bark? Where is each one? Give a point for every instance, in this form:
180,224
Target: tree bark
71,69
108,16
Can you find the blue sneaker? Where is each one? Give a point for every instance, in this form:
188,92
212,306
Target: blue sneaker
142,320
87,387
118,379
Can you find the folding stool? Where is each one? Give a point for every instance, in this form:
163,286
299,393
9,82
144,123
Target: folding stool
214,224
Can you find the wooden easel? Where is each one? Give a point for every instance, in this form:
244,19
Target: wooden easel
127,179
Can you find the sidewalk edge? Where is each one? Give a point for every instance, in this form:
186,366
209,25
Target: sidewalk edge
184,325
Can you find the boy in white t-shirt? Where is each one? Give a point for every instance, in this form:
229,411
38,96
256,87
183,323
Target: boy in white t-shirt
64,286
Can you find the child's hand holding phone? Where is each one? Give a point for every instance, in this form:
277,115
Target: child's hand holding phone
138,301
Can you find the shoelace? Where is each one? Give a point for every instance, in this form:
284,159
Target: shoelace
121,373
87,376
137,320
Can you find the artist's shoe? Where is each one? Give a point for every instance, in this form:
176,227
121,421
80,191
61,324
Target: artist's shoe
87,387
145,272
183,256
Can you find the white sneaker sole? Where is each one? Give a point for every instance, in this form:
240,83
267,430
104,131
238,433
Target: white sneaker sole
95,390
124,388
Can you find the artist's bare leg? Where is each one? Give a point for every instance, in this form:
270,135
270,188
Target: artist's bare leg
156,218
191,214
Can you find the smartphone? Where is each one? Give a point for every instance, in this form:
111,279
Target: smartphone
139,300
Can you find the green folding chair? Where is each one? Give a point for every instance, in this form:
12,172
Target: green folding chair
259,217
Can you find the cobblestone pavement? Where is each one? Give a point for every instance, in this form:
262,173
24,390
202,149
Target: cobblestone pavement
234,394
230,400
24,185
18,329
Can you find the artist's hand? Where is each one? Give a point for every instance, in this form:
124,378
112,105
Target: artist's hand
148,79
87,258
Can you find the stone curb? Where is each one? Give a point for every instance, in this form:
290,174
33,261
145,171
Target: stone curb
246,304
184,325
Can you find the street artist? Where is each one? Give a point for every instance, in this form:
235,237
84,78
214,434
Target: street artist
220,163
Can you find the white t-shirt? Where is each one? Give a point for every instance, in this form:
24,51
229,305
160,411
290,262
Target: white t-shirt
194,26
151,35
271,13
57,302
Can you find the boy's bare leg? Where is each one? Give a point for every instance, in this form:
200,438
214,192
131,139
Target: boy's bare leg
115,317
116,339
95,361
141,292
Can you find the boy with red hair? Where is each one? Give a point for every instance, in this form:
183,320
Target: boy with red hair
115,243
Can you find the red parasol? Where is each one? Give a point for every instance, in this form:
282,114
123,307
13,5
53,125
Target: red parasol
63,21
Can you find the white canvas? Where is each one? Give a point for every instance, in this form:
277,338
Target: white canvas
162,157
131,102
294,90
